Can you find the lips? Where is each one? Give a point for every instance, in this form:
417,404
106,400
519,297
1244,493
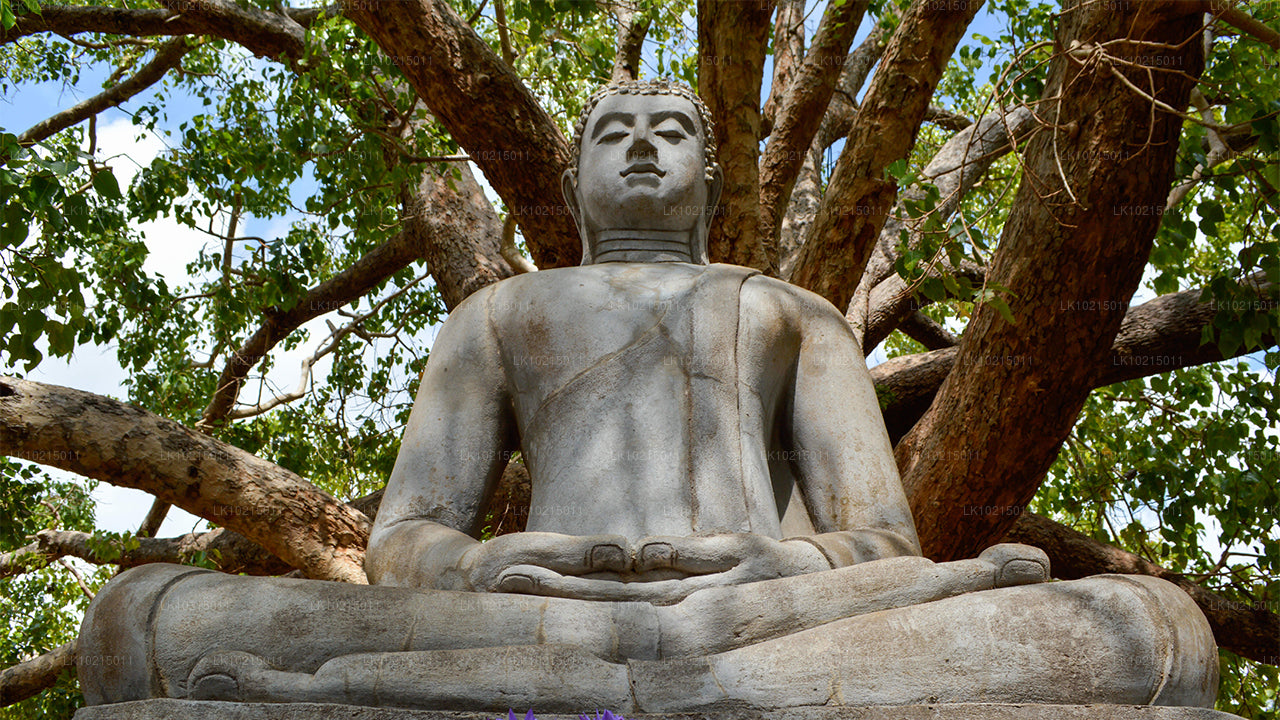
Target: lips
646,167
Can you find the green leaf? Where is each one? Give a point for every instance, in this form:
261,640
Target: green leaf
1002,307
898,169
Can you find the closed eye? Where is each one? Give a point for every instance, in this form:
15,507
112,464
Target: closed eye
672,135
613,137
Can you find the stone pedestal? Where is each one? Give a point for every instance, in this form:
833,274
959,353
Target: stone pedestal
189,710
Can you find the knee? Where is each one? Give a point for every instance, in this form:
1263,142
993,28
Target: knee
1160,615
111,653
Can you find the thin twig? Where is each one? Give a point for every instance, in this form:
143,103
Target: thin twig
84,588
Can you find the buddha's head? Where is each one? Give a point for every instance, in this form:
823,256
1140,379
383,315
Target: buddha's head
644,182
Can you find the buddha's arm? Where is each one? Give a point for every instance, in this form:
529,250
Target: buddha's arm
844,460
454,449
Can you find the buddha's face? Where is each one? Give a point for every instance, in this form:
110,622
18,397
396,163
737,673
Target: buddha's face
642,166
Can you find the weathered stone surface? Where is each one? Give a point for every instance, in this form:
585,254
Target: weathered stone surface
187,710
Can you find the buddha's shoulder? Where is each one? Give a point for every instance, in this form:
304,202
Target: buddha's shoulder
557,281
528,295
764,296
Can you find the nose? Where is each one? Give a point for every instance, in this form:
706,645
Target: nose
641,148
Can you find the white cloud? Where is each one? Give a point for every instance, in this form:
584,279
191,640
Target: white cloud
170,245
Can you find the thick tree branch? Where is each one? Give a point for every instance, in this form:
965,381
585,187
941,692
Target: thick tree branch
883,299
788,53
838,119
860,192
800,114
732,36
454,226
946,119
263,33
1226,11
24,559
124,445
154,519
510,252
927,331
168,56
487,108
1155,337
1247,630
69,20
36,675
806,197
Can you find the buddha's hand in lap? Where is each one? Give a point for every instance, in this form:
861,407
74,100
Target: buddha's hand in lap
666,569
486,567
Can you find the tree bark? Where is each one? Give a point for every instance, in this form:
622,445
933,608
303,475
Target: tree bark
806,198
838,119
788,53
124,445
1071,256
32,677
1246,629
633,26
487,109
266,34
732,36
860,193
927,331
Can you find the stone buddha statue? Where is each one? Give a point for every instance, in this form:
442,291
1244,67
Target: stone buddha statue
716,520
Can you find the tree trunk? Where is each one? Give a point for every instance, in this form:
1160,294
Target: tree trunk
860,193
454,228
1071,256
732,36
800,114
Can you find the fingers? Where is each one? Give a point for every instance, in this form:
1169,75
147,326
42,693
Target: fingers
609,556
696,555
565,554
534,580
1017,564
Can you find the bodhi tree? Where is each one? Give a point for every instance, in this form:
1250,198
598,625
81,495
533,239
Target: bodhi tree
1059,222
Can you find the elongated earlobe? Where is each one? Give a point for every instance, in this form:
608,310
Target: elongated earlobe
715,184
569,188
